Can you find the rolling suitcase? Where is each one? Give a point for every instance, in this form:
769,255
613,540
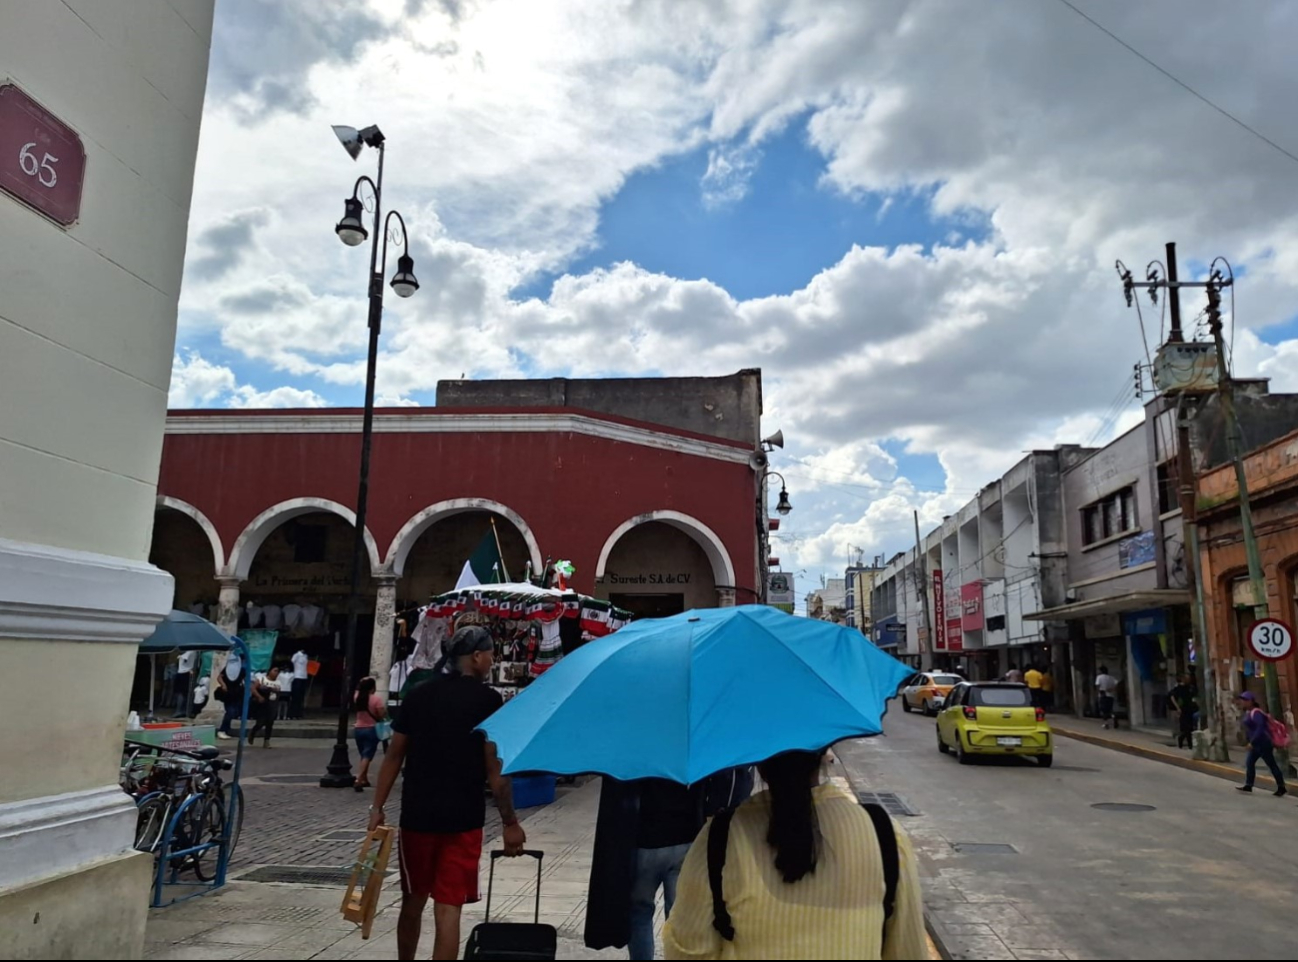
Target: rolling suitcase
512,940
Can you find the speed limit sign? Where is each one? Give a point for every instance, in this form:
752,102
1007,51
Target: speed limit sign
1271,639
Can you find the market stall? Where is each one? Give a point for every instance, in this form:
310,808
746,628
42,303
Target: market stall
534,628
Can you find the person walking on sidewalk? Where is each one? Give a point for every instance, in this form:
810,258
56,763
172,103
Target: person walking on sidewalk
301,682
1257,729
801,872
265,704
370,710
1107,686
229,691
1185,700
1034,680
443,809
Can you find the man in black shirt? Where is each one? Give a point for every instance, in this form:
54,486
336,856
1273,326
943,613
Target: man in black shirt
443,808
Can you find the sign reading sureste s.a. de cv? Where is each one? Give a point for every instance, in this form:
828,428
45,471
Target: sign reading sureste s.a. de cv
42,159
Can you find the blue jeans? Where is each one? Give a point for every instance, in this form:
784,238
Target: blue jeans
654,867
233,711
1264,753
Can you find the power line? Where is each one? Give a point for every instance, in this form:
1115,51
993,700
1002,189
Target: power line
1179,82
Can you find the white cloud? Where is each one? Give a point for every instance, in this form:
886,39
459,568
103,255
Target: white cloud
510,125
197,382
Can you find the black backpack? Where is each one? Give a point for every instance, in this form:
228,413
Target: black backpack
719,841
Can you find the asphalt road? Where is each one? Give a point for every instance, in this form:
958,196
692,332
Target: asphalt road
1204,873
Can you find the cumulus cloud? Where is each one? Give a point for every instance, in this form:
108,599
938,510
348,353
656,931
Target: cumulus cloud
196,383
510,126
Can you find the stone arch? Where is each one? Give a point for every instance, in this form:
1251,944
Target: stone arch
412,530
254,535
209,529
723,569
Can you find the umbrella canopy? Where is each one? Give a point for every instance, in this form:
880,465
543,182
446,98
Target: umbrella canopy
183,631
684,697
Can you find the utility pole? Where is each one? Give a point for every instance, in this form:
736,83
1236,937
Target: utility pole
1234,450
1211,749
926,640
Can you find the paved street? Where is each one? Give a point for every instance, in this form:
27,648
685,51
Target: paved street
1206,873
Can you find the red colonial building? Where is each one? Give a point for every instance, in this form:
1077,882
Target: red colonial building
650,487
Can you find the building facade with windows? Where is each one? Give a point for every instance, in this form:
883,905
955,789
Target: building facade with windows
100,107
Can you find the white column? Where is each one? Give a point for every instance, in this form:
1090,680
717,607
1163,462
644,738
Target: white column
725,597
385,616
227,619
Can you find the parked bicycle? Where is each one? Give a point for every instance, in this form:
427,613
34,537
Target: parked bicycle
183,805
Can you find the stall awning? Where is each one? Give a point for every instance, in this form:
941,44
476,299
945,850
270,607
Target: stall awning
1131,601
182,631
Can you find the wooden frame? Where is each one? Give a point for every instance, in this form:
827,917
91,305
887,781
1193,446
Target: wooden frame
361,901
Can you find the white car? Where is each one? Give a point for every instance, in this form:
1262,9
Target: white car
927,691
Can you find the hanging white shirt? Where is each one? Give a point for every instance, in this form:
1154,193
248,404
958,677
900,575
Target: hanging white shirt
300,661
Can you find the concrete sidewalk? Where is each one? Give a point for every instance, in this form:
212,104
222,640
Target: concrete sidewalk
262,920
1155,746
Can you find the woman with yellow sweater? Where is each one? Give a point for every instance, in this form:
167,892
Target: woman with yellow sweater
804,872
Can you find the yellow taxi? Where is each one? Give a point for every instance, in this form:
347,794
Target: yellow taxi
994,718
927,691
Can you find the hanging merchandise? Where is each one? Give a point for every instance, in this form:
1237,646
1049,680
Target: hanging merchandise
261,647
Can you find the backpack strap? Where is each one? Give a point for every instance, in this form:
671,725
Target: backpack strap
887,835
718,842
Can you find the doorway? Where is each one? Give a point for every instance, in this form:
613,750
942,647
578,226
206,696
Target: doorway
650,606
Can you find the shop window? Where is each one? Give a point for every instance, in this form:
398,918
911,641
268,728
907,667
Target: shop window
309,543
996,623
1110,517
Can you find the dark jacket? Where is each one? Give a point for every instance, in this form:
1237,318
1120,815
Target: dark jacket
608,908
1257,728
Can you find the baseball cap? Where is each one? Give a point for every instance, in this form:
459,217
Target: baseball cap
470,639
1247,696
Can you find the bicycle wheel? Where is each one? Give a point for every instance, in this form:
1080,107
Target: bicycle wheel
151,822
210,826
236,819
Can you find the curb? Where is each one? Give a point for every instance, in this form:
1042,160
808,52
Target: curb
1215,769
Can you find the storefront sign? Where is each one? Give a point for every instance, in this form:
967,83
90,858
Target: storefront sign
655,578
971,606
954,635
1151,622
42,160
939,606
182,738
1136,551
1102,626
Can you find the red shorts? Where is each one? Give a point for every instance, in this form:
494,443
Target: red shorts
441,867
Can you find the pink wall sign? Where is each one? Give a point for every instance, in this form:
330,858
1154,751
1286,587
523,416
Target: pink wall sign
971,605
42,160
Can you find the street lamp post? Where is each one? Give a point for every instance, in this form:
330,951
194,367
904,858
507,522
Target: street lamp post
351,231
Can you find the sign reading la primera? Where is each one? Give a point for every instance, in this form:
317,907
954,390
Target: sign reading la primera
42,159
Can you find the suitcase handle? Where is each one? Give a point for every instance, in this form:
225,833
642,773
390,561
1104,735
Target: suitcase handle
498,854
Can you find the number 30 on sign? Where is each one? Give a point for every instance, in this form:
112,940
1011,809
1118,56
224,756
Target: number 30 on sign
1271,639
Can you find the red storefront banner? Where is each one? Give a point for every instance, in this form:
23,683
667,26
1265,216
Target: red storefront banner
971,605
954,635
939,609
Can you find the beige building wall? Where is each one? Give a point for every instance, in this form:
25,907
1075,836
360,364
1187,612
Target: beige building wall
87,329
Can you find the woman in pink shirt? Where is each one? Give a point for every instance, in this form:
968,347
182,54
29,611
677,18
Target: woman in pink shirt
370,710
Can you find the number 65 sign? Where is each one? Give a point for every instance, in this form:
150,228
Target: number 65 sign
42,160
1270,639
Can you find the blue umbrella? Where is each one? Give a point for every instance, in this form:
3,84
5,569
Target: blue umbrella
684,697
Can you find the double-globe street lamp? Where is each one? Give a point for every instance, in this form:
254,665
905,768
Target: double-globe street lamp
351,231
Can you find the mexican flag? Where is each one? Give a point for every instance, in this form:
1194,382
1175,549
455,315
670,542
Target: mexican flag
485,566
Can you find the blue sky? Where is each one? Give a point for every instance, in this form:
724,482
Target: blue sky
787,227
